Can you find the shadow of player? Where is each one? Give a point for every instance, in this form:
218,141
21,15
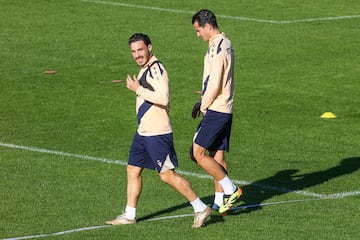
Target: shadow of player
262,190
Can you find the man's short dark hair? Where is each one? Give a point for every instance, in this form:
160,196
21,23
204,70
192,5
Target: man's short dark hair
140,37
205,16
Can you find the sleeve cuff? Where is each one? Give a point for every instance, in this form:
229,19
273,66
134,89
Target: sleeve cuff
139,90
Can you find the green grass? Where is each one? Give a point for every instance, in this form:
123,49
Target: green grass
287,75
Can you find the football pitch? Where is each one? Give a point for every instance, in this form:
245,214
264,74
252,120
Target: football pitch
65,137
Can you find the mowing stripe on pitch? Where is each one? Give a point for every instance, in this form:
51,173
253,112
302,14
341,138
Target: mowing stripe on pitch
224,16
197,175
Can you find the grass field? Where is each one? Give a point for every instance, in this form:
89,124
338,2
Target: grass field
64,138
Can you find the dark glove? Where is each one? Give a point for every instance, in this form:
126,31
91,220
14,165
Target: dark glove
196,110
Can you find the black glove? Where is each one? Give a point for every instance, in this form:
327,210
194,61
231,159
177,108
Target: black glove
196,110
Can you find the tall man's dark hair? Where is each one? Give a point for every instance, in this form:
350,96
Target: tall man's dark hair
205,16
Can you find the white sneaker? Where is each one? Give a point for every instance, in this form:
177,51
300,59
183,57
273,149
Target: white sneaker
201,217
121,220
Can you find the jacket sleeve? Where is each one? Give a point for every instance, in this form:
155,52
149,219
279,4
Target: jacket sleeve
213,82
158,79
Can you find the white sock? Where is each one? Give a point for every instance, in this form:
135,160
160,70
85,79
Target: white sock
227,185
218,200
130,212
198,205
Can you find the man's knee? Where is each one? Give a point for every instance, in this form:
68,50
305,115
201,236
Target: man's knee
166,175
196,152
133,171
192,154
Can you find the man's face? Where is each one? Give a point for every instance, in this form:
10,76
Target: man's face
140,52
203,32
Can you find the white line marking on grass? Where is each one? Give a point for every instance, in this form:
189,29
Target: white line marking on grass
42,150
96,227
139,6
257,205
59,233
197,175
319,19
170,217
224,16
344,194
86,157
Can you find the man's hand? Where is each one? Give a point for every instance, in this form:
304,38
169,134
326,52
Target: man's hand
132,83
196,110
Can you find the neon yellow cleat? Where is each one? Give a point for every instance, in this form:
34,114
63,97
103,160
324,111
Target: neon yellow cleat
229,200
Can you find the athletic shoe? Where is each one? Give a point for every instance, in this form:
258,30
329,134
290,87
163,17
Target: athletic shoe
215,207
229,200
121,220
201,217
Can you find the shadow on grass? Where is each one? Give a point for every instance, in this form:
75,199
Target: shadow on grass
207,200
264,189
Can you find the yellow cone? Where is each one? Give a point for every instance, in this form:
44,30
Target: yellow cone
328,115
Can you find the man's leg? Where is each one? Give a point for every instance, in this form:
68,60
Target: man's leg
209,164
134,187
180,184
219,157
212,167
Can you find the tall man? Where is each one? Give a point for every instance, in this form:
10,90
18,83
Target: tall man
216,106
152,146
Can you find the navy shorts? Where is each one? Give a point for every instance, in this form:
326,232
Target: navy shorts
153,152
214,131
